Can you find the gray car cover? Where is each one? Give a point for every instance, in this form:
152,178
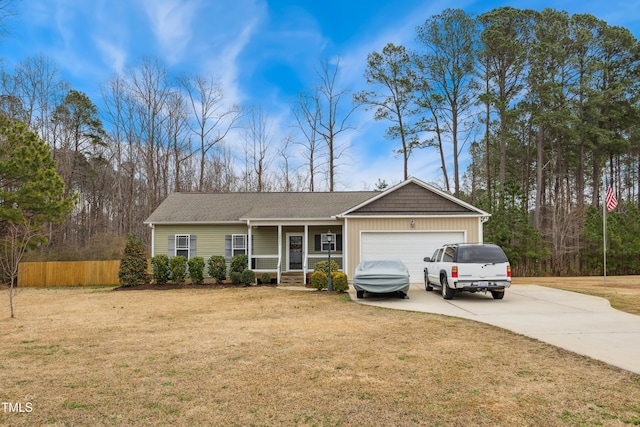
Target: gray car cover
381,276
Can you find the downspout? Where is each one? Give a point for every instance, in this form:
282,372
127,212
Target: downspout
481,222
153,240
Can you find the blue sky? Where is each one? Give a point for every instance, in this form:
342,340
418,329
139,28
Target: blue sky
262,51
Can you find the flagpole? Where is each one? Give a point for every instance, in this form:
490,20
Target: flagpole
604,232
609,203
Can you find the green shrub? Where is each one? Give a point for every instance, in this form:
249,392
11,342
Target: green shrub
319,280
236,277
196,270
160,269
248,277
339,282
178,265
265,278
133,265
238,263
217,267
323,266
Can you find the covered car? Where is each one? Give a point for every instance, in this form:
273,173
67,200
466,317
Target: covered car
381,276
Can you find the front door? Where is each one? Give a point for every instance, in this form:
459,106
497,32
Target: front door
295,251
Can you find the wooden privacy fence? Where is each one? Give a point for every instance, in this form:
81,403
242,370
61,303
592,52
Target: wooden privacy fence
68,273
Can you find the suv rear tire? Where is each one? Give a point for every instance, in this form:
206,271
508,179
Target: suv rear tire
447,292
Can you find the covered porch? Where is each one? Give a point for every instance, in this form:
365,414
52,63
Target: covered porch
289,251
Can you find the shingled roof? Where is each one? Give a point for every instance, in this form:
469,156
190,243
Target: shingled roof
229,207
411,197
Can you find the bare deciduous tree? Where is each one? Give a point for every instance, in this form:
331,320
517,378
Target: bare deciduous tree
211,120
257,141
35,89
307,116
16,238
334,116
6,12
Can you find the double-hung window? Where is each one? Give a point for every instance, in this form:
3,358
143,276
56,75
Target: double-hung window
235,244
239,244
182,245
326,245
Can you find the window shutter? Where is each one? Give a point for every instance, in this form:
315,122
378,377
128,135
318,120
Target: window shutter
338,242
318,242
192,246
227,247
172,246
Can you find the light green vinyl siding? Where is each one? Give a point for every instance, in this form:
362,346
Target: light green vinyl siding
265,240
209,238
313,231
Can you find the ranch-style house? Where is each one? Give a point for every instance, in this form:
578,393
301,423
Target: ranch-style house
286,233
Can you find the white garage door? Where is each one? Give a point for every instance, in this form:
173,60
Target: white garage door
410,247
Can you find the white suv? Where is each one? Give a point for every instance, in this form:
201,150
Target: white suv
468,267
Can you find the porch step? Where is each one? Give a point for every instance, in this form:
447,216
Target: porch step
292,279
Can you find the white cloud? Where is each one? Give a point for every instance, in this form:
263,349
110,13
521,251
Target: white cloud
226,65
171,22
112,55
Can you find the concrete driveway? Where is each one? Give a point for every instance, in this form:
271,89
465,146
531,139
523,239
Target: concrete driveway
580,323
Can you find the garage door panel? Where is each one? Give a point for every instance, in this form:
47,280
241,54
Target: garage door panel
410,247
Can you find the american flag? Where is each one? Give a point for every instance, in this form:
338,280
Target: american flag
610,198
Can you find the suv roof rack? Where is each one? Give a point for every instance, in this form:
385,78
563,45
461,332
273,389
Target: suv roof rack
468,243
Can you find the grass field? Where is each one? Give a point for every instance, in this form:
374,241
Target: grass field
271,357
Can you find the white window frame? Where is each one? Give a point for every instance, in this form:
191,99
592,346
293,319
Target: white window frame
181,248
324,245
242,249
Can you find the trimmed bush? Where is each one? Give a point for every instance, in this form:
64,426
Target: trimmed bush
238,263
236,277
133,265
323,266
178,266
248,277
319,280
265,278
217,268
339,282
196,270
160,269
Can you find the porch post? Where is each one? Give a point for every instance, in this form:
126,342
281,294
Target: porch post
305,260
249,246
279,252
345,248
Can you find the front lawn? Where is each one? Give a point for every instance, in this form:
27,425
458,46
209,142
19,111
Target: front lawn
271,357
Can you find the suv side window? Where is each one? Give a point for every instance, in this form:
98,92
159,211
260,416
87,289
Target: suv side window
436,255
449,253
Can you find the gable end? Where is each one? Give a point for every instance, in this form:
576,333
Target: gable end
411,199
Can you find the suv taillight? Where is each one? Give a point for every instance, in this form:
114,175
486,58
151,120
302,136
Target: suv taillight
454,272
508,271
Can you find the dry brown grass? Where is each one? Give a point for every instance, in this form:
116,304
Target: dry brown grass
269,357
623,292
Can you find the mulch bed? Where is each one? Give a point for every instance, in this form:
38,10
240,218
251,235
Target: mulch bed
167,286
